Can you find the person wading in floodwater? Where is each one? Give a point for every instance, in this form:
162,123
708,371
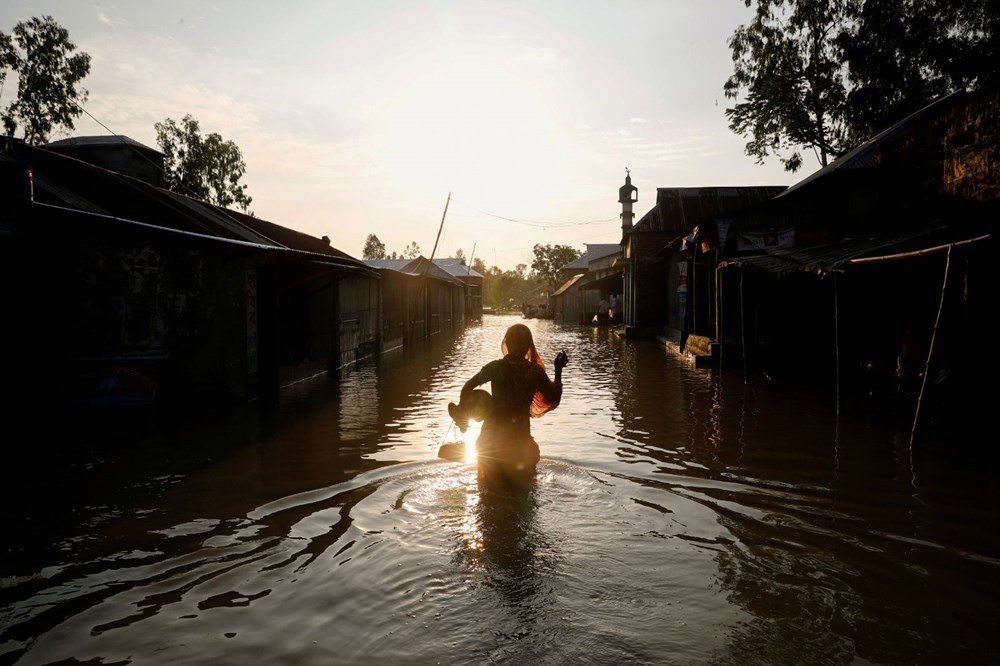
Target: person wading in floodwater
520,390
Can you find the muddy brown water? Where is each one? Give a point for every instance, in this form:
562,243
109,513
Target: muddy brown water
679,516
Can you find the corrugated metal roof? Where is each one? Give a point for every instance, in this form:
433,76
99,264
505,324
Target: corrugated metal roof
864,156
594,251
421,266
569,283
99,140
219,217
680,208
45,187
457,267
391,264
69,183
826,259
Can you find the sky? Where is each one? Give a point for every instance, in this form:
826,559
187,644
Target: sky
513,121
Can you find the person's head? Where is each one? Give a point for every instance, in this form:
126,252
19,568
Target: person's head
518,343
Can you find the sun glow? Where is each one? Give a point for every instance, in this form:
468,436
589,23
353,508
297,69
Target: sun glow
471,436
476,122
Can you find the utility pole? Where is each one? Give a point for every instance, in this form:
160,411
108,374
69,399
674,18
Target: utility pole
434,251
427,300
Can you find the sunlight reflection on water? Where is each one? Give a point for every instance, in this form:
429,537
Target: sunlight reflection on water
679,515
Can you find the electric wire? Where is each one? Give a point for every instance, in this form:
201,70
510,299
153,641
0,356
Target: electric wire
533,223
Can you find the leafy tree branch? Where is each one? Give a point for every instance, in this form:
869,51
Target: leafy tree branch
48,70
203,167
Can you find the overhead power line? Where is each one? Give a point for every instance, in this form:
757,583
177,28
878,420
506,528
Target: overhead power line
534,223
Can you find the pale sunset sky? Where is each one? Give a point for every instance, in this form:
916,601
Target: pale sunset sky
361,117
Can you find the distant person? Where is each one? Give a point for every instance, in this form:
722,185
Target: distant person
520,390
602,310
616,308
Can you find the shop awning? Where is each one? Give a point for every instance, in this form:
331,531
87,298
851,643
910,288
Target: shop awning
834,257
610,283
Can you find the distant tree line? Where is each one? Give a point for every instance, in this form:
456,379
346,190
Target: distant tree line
502,289
375,249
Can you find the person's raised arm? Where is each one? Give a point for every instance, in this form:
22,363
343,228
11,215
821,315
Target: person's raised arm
561,360
552,390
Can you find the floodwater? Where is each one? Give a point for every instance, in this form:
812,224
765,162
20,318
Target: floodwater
679,516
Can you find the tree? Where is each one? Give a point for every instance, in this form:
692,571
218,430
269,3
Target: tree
828,74
48,71
900,56
207,168
460,255
412,251
479,266
787,67
549,259
505,290
374,248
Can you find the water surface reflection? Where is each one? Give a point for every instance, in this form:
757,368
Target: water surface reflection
679,515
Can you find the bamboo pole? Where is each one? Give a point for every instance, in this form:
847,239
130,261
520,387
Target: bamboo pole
918,253
440,227
836,336
743,322
427,267
930,350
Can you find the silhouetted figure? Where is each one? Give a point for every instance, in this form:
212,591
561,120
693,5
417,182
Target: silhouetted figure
616,308
520,389
603,310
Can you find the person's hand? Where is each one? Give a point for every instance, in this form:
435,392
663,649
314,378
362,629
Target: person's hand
561,360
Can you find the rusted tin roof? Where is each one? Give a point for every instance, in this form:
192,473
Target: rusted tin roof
678,209
865,156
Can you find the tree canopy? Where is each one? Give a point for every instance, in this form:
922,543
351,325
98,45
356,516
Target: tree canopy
203,167
548,259
39,52
827,75
412,251
507,290
373,249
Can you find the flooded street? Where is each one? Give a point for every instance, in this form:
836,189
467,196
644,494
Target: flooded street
679,516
